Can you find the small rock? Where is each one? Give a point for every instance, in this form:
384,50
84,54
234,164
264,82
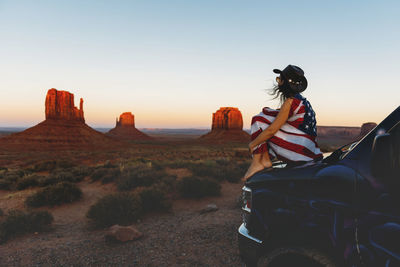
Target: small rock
209,208
123,233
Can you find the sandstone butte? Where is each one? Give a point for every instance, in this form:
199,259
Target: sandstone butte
227,126
351,133
125,129
63,128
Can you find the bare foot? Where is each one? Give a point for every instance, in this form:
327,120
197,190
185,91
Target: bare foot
254,167
266,162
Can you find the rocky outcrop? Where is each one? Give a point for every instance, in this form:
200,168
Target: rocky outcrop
126,119
122,233
60,106
125,129
227,118
63,129
227,126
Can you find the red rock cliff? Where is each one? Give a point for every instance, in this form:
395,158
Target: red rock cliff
60,106
126,119
227,118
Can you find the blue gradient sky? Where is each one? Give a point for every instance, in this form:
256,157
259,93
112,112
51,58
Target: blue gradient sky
174,63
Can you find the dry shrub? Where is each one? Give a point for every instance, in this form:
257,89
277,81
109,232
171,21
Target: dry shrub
80,172
18,223
219,170
28,181
119,208
64,192
154,199
197,187
51,165
139,175
105,175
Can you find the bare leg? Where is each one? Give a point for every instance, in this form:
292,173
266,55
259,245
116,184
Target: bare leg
255,166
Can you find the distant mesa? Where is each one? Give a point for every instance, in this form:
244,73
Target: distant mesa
366,128
227,126
126,119
345,132
63,128
125,129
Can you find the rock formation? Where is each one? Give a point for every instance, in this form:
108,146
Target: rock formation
227,119
227,126
60,106
125,129
122,233
63,129
126,119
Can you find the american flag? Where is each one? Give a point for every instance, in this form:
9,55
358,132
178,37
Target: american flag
295,141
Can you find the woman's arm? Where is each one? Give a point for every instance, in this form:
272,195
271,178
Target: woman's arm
280,119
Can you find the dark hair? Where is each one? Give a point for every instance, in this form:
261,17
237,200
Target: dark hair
282,91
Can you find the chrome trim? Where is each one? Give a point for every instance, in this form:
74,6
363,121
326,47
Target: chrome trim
247,189
244,232
246,209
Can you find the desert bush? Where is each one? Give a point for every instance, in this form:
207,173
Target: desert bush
111,175
120,208
6,183
9,179
97,174
179,164
64,192
51,165
18,223
47,180
154,199
108,164
28,181
58,176
207,170
197,187
219,171
223,161
140,175
233,174
81,172
106,175
65,176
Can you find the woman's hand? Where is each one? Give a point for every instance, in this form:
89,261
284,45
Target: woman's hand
251,147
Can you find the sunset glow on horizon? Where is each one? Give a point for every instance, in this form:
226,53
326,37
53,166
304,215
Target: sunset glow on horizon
172,64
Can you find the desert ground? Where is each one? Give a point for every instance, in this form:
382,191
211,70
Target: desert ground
181,235
171,168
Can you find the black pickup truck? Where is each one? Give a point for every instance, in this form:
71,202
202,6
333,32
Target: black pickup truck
343,210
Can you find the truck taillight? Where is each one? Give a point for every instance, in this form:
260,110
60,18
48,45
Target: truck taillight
246,206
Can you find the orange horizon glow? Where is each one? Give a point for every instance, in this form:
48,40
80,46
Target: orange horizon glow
174,119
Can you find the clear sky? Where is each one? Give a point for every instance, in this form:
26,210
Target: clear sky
173,63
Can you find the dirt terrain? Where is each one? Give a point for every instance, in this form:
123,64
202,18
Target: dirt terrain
181,237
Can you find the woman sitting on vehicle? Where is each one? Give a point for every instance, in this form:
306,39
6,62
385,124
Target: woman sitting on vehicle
288,133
